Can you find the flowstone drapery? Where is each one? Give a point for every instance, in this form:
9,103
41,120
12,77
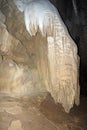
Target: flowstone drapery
63,61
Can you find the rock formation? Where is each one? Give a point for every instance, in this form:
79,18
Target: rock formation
42,58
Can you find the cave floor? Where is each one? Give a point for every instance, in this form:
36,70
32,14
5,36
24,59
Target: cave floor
40,113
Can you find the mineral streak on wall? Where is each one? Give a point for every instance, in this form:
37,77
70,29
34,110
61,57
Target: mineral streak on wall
62,80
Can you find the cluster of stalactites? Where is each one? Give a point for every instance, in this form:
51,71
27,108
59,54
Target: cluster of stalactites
41,15
38,16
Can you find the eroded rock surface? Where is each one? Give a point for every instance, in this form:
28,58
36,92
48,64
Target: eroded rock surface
40,113
18,72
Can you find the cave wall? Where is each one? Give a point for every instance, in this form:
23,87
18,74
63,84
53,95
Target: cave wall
21,56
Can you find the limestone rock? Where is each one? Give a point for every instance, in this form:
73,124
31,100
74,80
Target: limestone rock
0,59
39,63
18,76
18,80
11,47
62,57
15,125
2,20
2,17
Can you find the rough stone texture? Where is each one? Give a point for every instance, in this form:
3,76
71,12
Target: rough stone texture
2,17
40,113
18,72
33,65
27,116
15,125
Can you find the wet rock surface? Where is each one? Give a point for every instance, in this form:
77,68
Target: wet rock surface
40,112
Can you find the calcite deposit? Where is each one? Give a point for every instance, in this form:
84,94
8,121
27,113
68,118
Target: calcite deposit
45,62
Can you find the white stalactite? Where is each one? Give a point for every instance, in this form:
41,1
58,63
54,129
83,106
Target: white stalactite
41,15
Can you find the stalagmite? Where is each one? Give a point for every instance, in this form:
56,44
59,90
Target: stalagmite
41,15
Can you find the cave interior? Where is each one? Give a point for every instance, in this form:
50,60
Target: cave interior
24,101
